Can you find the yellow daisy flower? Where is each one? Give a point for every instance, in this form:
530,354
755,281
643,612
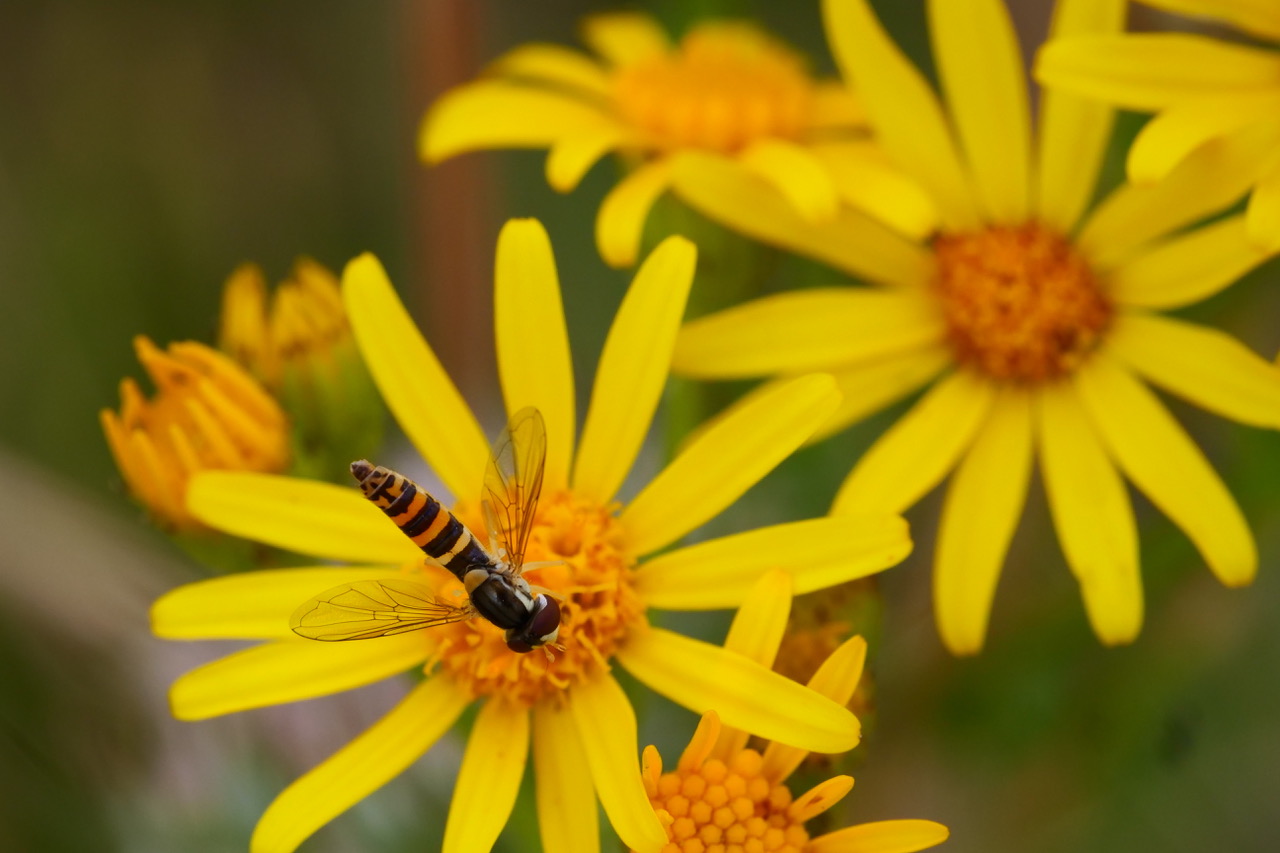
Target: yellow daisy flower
723,797
571,710
1033,319
1200,87
727,89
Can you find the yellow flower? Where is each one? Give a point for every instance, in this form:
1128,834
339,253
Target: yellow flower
571,710
728,89
207,414
725,798
1036,318
1200,87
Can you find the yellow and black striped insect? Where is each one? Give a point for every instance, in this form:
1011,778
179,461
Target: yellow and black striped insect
492,576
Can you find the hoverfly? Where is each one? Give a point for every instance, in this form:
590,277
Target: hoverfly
492,577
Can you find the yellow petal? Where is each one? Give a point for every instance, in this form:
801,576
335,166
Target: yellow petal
865,179
606,727
793,171
1260,17
305,516
289,670
980,66
378,755
835,108
1092,514
500,114
566,797
1171,136
745,694
981,512
726,193
813,329
419,393
731,457
819,798
551,63
624,38
571,157
1264,212
633,370
869,387
917,452
902,107
250,606
1186,268
886,836
488,779
817,553
1162,460
620,221
1073,131
533,344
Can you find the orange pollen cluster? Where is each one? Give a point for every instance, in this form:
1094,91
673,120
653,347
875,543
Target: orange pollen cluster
726,86
1021,303
591,579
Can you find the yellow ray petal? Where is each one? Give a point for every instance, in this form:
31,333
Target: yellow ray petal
1186,268
902,107
1073,131
624,38
1162,460
980,66
489,778
745,694
835,108
917,452
1151,71
865,179
1171,136
819,798
534,364
1260,17
289,670
419,393
250,606
551,63
817,553
620,221
869,387
1092,514
304,516
633,369
606,727
1206,366
981,512
501,114
793,171
571,157
566,797
885,836
726,193
1264,212
812,329
378,755
731,457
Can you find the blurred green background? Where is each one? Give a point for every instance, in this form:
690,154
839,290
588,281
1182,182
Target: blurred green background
147,148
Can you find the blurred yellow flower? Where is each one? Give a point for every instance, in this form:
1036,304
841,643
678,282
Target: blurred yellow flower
206,414
1036,319
728,89
571,709
1201,88
725,798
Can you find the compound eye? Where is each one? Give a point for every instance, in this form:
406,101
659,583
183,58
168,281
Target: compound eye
546,619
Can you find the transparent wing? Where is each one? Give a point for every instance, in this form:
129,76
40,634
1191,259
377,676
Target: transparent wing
513,482
367,609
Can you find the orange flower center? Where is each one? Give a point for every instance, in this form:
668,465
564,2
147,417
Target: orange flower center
727,85
592,580
1020,302
731,804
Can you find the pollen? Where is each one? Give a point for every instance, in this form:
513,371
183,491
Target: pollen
725,86
1021,304
590,575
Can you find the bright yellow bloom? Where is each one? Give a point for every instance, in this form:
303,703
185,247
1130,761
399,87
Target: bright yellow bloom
571,710
1036,318
1201,89
725,798
727,89
207,414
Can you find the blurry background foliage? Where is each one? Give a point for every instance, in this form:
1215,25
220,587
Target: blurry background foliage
147,148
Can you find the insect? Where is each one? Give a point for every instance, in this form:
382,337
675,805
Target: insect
492,577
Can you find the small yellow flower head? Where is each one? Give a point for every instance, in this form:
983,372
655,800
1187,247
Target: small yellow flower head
206,414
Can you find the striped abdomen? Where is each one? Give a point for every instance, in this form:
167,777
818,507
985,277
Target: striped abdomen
432,528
